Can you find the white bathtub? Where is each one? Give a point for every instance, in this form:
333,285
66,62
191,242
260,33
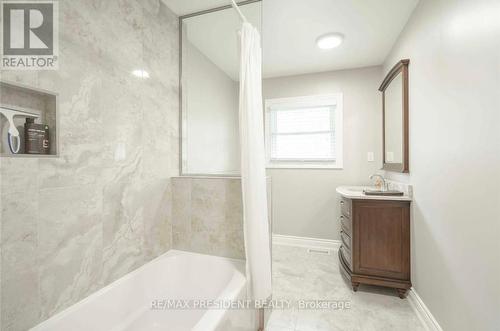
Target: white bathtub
127,303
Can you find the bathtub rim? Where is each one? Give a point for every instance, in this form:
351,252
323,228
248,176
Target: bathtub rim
170,253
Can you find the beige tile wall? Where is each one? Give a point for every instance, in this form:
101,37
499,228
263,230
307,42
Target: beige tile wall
73,224
207,216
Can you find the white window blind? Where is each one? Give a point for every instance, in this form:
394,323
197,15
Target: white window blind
304,131
303,134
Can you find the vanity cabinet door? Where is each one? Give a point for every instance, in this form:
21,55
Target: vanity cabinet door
381,238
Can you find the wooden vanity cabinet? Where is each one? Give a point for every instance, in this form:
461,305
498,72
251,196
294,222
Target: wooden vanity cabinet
375,247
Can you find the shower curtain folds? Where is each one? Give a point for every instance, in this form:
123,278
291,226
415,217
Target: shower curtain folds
253,171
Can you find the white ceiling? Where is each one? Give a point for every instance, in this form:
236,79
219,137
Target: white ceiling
291,27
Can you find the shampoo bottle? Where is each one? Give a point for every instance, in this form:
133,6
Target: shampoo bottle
36,137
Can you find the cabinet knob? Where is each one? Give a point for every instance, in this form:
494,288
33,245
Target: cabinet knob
341,202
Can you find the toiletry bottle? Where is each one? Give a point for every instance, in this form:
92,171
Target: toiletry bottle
36,137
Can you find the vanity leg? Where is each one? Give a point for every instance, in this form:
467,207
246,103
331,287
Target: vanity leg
402,292
355,286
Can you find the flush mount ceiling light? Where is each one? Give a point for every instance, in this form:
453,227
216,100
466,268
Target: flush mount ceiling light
141,73
329,40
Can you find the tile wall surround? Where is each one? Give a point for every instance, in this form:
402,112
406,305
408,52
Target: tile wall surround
73,224
207,216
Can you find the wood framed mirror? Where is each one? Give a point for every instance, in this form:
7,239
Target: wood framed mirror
395,121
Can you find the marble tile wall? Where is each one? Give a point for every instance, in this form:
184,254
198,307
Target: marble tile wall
73,224
207,216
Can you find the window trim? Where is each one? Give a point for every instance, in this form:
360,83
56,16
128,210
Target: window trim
307,101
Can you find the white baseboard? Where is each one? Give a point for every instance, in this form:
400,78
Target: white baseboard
312,243
423,313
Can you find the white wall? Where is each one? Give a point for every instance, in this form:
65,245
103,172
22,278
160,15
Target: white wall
454,48
210,110
304,200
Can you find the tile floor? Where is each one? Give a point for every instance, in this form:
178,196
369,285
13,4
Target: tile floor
298,274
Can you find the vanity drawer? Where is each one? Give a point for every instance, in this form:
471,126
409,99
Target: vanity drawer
346,254
346,224
346,207
346,240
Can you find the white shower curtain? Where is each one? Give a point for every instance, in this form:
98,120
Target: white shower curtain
253,171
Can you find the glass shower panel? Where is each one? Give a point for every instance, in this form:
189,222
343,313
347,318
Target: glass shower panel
210,89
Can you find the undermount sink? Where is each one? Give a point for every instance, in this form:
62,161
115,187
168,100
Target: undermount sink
384,193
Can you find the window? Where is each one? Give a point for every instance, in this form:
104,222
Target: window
304,132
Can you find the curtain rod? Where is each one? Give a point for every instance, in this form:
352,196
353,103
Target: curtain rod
208,11
235,6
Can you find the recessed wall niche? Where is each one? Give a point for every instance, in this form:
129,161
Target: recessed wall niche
27,102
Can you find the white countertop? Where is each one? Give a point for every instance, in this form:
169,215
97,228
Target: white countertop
356,192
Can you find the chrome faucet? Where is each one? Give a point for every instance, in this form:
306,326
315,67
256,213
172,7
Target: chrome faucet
384,184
